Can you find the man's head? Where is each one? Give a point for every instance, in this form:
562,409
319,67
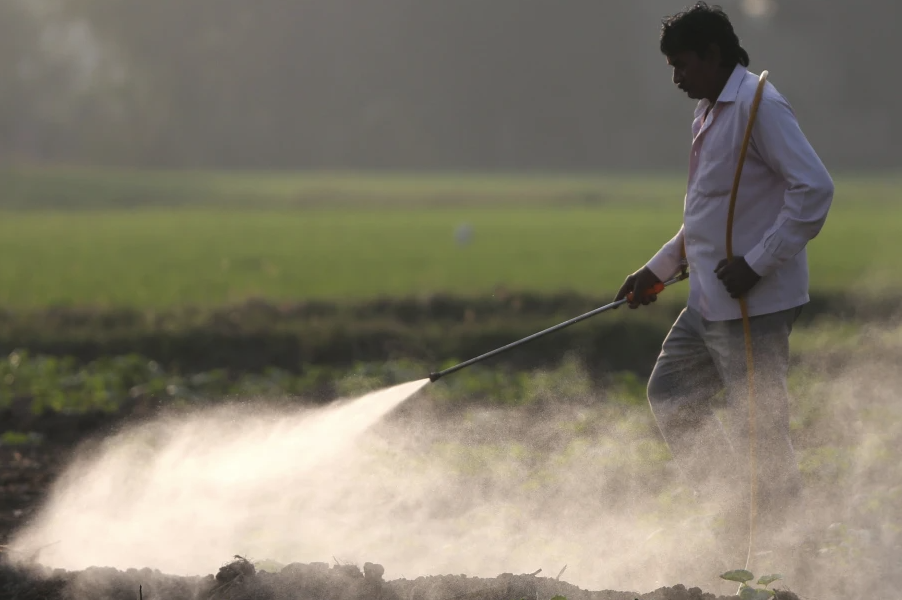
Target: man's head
702,48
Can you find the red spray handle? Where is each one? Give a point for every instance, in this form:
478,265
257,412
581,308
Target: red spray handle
655,289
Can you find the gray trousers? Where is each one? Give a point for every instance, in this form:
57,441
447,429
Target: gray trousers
702,364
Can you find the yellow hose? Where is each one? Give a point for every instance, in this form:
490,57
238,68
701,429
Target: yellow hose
753,466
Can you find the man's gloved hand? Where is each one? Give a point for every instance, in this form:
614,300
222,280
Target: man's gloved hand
637,284
737,276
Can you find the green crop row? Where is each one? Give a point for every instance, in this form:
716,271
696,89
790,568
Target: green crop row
46,384
64,384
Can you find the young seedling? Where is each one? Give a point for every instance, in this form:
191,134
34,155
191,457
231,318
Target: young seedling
747,592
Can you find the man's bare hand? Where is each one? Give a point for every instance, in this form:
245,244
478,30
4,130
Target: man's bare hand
638,284
737,276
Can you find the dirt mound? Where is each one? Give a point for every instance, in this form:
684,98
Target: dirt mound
240,580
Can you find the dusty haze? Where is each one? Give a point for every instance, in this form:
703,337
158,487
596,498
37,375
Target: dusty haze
572,481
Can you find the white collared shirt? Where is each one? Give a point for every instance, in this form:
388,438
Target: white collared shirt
784,195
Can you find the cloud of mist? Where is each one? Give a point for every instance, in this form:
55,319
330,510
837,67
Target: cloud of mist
579,482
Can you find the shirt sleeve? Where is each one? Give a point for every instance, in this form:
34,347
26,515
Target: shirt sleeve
781,144
667,262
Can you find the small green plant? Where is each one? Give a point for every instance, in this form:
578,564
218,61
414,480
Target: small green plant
16,438
747,592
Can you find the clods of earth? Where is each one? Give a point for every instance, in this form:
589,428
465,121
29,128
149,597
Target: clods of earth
240,580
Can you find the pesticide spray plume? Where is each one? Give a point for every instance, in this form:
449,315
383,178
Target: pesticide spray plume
183,488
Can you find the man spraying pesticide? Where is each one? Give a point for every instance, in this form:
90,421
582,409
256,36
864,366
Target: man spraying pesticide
746,288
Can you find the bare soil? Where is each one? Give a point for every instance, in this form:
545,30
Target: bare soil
239,580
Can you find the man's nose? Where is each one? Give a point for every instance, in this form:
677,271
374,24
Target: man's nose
677,77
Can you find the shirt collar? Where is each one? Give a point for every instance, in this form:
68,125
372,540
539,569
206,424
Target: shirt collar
730,90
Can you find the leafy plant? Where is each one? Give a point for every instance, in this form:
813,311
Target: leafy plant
747,592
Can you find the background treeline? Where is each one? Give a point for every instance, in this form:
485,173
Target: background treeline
407,84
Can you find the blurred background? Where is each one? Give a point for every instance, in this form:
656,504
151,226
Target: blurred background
401,84
204,200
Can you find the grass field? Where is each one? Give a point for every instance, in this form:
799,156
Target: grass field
158,240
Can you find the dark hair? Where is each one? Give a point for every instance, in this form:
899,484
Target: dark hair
698,27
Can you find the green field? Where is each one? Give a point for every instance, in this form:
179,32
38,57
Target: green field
159,240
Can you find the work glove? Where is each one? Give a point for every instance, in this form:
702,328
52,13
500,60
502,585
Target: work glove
641,285
737,276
